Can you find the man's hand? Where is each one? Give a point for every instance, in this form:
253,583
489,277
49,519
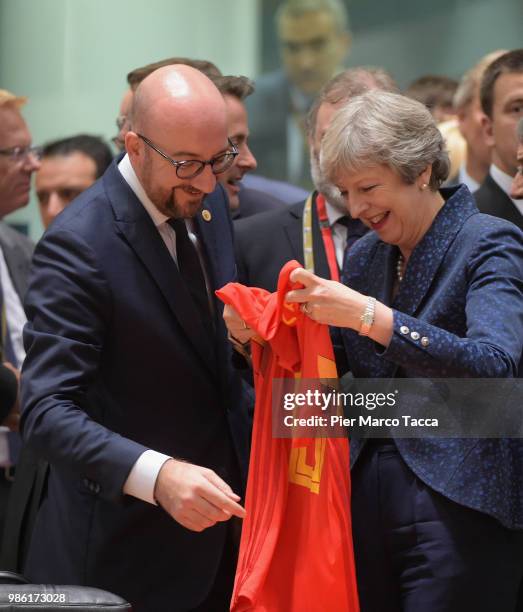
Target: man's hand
195,496
236,325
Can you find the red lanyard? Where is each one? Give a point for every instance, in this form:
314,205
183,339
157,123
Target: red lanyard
326,234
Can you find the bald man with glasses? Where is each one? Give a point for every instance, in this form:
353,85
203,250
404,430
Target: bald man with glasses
128,389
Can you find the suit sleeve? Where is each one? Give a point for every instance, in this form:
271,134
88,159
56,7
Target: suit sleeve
69,312
493,344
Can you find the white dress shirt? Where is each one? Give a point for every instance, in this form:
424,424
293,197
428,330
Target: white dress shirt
465,178
142,478
504,182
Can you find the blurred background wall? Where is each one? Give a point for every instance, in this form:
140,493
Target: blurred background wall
410,38
70,57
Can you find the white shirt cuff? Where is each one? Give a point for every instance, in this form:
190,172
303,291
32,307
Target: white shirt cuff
142,477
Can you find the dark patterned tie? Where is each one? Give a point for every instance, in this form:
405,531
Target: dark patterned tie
191,270
354,230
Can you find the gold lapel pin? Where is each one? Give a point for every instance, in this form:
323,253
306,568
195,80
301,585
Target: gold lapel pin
206,214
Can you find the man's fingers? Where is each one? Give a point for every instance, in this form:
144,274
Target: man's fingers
221,500
194,522
182,489
221,484
210,512
231,316
198,518
226,504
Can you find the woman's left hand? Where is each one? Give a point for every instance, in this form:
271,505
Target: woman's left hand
327,301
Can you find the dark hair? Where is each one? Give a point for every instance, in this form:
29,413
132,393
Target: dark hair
512,61
238,86
136,76
91,146
347,85
433,90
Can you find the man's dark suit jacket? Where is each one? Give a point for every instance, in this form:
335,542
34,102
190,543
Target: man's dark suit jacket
265,243
254,202
492,200
17,250
463,292
118,362
268,108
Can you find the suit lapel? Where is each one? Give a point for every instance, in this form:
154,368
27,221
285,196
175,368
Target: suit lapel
17,262
208,239
426,258
294,231
138,229
501,204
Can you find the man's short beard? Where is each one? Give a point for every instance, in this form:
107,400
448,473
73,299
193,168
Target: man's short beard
168,205
331,192
172,208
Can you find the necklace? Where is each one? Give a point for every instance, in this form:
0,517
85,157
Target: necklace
399,267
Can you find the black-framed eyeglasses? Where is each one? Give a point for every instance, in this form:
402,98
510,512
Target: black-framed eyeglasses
18,154
189,168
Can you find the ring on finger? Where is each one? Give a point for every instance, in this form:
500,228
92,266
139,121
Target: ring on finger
305,308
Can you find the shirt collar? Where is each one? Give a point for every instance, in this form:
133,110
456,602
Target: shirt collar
503,179
464,177
333,213
127,171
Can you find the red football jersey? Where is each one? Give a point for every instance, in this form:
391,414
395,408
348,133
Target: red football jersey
296,550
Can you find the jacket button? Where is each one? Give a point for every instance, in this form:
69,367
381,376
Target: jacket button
404,330
424,341
414,335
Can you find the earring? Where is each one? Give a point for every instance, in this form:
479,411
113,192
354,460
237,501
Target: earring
424,186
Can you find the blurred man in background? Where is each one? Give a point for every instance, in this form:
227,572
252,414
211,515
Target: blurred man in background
474,169
501,95
314,42
68,167
18,161
436,92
